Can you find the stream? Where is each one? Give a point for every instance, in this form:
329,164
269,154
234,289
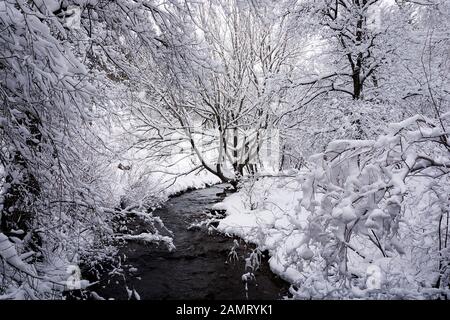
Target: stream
199,267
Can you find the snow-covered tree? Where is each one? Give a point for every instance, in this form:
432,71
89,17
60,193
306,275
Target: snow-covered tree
371,64
219,82
57,58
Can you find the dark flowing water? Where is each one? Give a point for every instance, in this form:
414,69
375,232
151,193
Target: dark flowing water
197,268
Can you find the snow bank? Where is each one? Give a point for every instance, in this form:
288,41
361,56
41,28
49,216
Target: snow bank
268,215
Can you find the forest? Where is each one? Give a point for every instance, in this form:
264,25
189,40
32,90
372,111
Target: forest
302,144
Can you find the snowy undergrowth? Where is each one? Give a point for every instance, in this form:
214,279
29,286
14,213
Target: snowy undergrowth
368,219
277,225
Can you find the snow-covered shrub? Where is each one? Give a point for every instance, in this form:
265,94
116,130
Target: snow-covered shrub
382,203
252,193
371,220
57,207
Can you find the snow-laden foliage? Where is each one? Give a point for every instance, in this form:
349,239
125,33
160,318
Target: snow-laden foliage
367,219
223,71
380,202
108,107
372,63
374,187
57,58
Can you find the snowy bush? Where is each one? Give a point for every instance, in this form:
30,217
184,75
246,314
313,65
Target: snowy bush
381,202
371,220
57,205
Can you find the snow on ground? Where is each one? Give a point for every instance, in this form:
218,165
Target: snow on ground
144,179
148,183
191,181
267,214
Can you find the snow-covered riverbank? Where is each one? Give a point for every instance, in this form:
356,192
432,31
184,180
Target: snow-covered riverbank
269,213
265,214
